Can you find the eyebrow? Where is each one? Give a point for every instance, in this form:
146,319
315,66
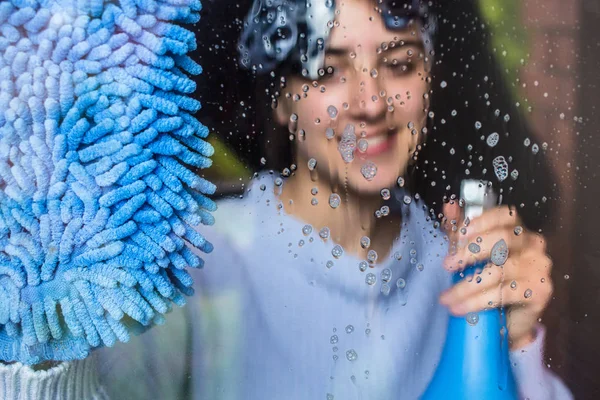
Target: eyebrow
342,51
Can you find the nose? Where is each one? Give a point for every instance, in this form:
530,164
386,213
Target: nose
368,105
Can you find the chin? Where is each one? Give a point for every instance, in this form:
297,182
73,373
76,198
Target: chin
358,184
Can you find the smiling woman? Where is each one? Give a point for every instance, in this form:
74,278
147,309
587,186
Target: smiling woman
330,276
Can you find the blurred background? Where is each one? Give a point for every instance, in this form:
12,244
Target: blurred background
549,51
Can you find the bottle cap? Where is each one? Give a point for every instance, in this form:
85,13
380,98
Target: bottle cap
478,196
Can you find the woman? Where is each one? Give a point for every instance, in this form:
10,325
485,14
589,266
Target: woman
330,283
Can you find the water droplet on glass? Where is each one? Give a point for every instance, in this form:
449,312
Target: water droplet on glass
386,275
400,283
329,264
493,139
500,168
474,248
365,242
385,289
329,396
514,174
278,181
528,293
385,211
535,149
567,277
347,143
443,84
263,160
363,145
312,164
400,181
324,233
314,201
333,339
362,266
518,230
351,355
499,253
314,191
369,170
334,200
372,256
263,187
407,199
349,329
370,279
337,251
332,112
385,194
472,318
477,125
307,230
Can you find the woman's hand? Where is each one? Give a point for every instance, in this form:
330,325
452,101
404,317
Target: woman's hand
523,282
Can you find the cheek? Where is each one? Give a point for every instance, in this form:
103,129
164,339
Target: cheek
314,118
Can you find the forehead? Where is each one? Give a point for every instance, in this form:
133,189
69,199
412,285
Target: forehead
361,25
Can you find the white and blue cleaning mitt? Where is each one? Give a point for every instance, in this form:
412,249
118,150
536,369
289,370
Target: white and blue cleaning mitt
98,194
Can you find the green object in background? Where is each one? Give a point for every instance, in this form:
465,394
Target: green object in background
509,39
226,165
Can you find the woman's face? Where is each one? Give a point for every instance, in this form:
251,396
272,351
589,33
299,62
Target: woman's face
377,89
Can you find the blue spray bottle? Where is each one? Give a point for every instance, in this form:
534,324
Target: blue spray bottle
475,360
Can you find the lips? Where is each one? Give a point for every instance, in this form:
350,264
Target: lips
379,140
379,144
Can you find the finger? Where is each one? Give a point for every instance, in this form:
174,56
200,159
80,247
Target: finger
452,214
492,219
531,289
488,279
482,248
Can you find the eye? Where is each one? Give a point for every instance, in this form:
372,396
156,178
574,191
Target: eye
400,68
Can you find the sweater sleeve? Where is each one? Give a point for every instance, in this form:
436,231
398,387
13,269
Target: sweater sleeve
535,380
74,380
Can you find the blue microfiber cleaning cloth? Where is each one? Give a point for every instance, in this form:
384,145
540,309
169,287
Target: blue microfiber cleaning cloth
98,194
